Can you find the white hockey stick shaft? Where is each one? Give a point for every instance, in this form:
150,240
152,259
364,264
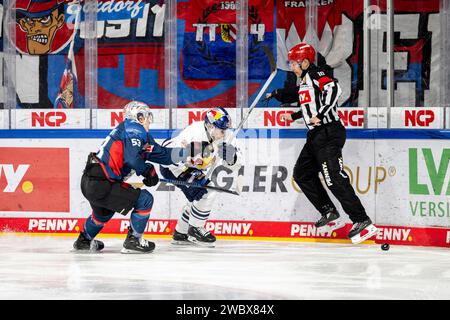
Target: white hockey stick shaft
253,105
241,124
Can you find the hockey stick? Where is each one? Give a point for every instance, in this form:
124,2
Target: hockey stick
197,185
273,68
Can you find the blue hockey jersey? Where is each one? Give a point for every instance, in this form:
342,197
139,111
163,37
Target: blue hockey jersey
128,147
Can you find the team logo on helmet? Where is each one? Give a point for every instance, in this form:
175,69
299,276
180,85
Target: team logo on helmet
41,26
219,118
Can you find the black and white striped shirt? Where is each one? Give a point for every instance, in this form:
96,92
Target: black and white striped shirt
317,93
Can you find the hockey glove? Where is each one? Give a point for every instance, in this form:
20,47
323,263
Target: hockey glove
198,193
228,153
150,176
200,155
194,176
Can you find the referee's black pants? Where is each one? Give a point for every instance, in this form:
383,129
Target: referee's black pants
323,153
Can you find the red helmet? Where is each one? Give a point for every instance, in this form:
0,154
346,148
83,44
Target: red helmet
302,51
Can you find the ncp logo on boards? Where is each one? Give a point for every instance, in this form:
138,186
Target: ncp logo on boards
352,118
273,118
48,119
419,118
194,116
34,179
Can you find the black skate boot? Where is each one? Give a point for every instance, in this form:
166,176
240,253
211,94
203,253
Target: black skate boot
134,244
200,236
329,221
180,238
84,244
362,231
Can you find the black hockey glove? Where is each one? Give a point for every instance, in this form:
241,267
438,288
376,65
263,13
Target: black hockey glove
194,176
198,176
150,177
228,153
197,193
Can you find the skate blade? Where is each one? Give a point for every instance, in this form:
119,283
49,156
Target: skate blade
333,225
87,251
194,241
128,251
371,230
181,243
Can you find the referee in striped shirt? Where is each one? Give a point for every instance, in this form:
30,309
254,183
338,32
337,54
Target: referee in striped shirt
317,95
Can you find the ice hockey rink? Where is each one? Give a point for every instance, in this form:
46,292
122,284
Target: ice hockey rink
38,267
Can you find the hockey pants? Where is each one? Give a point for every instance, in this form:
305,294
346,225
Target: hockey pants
322,153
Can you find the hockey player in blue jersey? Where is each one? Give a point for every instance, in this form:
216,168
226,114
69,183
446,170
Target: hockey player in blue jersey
123,152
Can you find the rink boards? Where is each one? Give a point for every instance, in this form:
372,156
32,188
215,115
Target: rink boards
236,230
401,176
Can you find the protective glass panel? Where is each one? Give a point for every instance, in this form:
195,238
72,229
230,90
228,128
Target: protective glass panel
207,54
131,65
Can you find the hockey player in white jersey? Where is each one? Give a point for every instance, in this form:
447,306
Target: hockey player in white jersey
208,145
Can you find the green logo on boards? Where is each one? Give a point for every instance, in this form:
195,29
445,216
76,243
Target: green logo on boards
436,169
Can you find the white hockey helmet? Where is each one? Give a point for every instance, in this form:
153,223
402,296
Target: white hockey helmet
135,109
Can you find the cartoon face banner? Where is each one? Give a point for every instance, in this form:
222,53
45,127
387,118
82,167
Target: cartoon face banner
41,27
47,26
52,53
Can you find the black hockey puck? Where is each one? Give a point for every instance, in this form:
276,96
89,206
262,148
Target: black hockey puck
385,246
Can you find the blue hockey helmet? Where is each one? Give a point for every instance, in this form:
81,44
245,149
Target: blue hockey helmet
219,118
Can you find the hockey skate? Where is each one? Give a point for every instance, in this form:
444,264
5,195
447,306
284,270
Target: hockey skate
179,238
362,231
134,244
84,244
329,222
200,236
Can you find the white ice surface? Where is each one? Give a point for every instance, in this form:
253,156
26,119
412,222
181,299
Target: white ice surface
45,268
